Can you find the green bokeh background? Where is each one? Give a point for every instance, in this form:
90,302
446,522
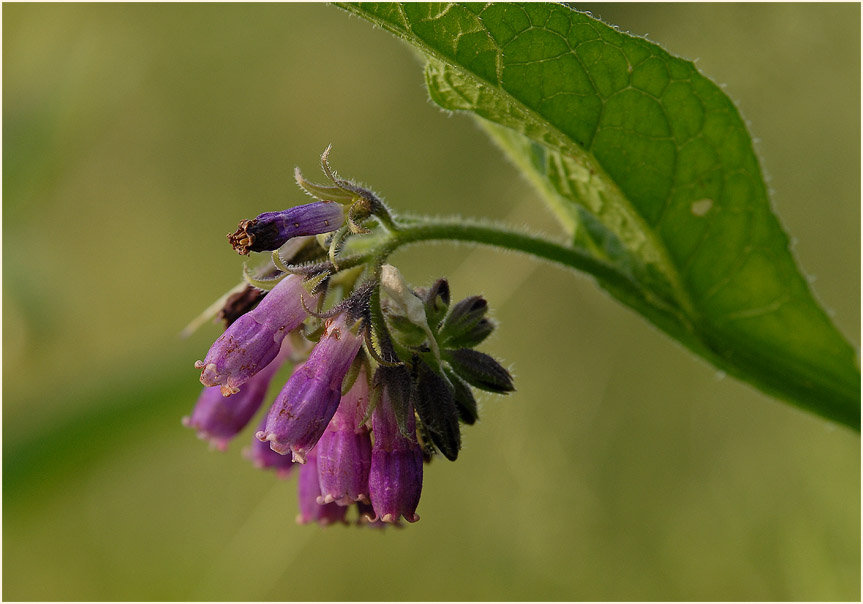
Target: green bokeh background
135,136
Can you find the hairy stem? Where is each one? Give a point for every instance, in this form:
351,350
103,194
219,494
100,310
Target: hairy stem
416,230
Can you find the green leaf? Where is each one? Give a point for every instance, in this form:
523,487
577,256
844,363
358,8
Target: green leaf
649,167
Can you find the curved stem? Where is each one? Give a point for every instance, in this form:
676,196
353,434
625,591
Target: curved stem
413,230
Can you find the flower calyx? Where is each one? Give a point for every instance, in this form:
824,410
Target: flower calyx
362,203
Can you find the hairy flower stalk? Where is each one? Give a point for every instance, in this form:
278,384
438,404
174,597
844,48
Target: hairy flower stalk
362,450
253,340
308,401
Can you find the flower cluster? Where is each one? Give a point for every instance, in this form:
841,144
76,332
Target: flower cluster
385,385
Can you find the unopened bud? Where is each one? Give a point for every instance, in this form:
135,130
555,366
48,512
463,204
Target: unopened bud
466,325
437,302
480,370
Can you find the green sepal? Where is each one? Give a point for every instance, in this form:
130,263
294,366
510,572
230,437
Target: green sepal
406,332
479,370
312,284
463,397
473,336
332,192
374,398
354,372
398,384
464,315
425,440
265,283
433,401
436,301
315,334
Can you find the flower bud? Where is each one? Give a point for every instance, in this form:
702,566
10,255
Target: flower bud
433,399
407,302
465,326
464,400
480,370
271,230
436,301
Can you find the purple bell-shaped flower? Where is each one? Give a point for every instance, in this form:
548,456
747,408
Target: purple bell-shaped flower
253,340
219,419
308,491
308,401
345,449
396,475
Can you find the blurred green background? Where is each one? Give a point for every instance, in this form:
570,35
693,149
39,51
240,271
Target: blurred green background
135,136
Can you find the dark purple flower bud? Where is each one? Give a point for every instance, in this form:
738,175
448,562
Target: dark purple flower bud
308,491
308,401
466,325
345,449
463,397
253,340
271,230
480,370
260,454
434,402
436,301
396,476
219,419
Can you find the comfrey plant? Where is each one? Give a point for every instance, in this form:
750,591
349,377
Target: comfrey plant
381,379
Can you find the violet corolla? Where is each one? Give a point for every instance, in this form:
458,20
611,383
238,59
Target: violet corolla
307,403
254,339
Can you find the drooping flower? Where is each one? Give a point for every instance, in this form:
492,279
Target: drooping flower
308,401
308,491
271,230
253,340
396,475
219,419
345,450
419,351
